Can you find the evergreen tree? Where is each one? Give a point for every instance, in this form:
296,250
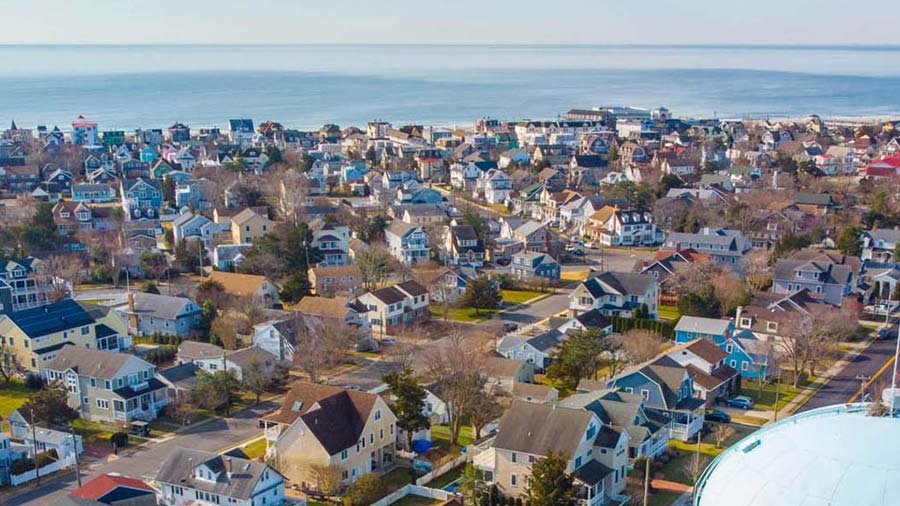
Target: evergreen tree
550,484
409,402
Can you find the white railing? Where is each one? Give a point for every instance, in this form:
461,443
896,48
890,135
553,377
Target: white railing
410,489
18,479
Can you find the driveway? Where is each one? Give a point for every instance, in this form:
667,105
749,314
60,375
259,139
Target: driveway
538,310
145,461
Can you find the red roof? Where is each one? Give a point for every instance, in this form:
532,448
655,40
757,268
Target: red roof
103,484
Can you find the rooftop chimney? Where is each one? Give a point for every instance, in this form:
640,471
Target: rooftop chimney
228,467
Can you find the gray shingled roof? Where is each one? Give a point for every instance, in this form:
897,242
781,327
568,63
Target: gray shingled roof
178,469
90,362
536,428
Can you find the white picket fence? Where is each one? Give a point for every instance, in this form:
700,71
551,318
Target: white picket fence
410,489
443,469
18,479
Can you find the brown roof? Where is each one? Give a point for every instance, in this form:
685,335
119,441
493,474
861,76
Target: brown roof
238,284
500,367
323,306
703,348
531,390
337,271
711,381
246,356
334,415
413,288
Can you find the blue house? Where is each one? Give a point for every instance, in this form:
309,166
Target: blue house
692,327
667,389
528,264
93,193
752,356
148,154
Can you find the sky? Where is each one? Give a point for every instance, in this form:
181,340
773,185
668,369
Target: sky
789,22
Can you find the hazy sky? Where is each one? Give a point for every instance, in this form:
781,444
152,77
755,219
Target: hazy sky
450,21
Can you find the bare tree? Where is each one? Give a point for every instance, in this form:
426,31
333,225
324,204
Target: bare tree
721,431
487,408
9,362
65,272
322,343
757,271
459,373
252,307
639,345
798,338
327,479
730,291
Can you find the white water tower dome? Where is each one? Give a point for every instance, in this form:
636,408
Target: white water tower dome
832,456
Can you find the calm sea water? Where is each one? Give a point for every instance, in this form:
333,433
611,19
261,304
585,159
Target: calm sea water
305,86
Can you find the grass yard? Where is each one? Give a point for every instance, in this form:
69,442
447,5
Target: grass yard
96,432
764,398
440,435
683,453
580,275
519,296
669,313
662,498
465,314
12,395
256,449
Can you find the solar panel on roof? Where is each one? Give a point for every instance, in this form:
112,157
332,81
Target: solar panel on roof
52,318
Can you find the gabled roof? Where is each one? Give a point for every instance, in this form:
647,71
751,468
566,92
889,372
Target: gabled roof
237,283
91,362
335,416
111,488
537,428
618,283
712,326
51,318
168,307
179,466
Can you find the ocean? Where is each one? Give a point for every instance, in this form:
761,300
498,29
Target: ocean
305,86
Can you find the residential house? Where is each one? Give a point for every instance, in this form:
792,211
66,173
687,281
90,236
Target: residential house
816,204
827,280
326,426
330,281
241,131
149,313
36,335
451,283
189,477
689,328
333,243
530,392
492,186
115,489
616,294
248,225
226,257
664,266
194,226
211,358
713,380
612,226
596,454
141,198
90,193
72,217
534,346
648,432
346,310
407,243
530,264
725,247
107,386
462,246
878,245
393,307
181,380
667,388
421,215
754,357
247,285
680,166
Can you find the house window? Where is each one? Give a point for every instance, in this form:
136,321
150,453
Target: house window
745,322
513,457
377,414
513,481
729,348
344,454
745,366
645,394
772,326
102,403
733,363
93,382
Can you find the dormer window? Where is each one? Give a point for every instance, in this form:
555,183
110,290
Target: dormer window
745,322
772,326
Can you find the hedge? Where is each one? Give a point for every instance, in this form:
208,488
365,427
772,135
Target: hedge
43,459
621,325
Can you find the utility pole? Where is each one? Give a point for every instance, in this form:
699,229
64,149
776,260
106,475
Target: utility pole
646,481
37,469
75,450
777,392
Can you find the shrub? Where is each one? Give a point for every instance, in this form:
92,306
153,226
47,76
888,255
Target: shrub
34,381
27,464
119,439
21,466
47,458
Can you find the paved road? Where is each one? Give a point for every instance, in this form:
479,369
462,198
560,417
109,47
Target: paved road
212,436
536,311
847,383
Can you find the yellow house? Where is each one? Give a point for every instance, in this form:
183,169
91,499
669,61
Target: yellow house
248,225
36,335
322,426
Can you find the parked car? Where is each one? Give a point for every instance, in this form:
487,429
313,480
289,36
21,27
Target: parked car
714,415
741,401
577,252
510,326
503,262
590,245
887,332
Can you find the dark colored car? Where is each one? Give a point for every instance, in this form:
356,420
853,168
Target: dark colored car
741,401
503,262
887,333
718,416
510,326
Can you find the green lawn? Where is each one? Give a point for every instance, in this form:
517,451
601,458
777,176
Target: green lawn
669,313
396,479
255,449
764,398
12,395
662,498
519,296
464,314
440,434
